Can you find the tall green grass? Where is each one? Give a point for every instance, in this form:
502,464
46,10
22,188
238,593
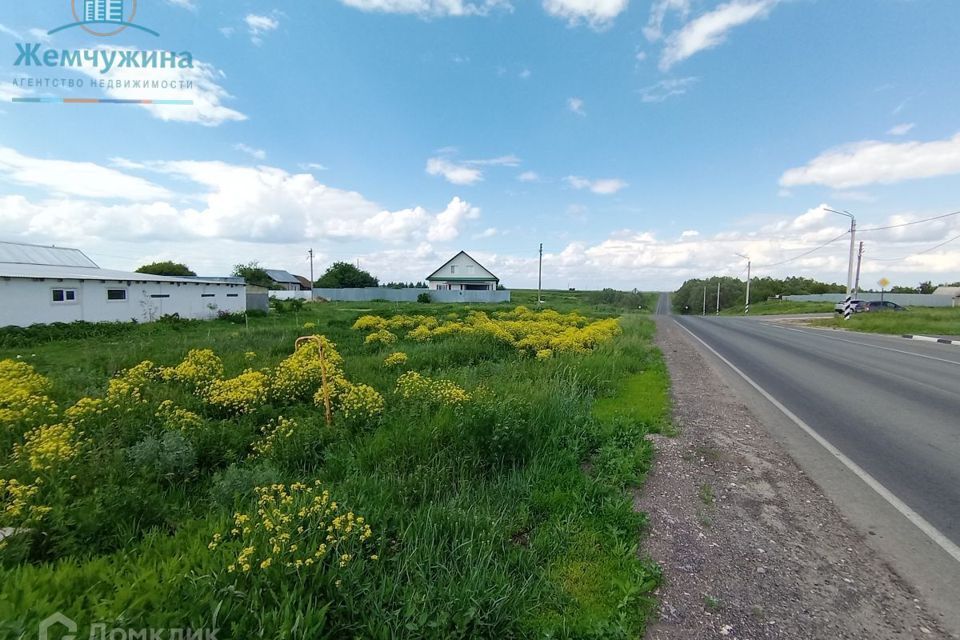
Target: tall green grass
511,518
916,320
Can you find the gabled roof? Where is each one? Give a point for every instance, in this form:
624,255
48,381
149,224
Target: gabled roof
20,253
304,282
279,275
433,276
947,291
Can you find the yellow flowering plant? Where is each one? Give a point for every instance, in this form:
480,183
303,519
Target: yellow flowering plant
49,446
416,387
23,400
197,370
395,359
296,530
240,395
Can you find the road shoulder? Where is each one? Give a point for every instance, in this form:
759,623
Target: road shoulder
750,546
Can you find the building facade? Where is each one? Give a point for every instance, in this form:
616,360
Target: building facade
42,285
462,273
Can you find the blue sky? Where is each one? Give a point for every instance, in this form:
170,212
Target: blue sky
643,142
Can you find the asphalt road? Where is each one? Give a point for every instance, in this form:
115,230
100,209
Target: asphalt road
889,404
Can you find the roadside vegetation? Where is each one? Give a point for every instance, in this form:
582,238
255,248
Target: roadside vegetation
689,297
780,307
913,321
473,480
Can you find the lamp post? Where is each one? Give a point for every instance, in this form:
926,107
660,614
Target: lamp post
746,306
848,303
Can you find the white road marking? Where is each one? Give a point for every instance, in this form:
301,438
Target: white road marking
870,346
928,529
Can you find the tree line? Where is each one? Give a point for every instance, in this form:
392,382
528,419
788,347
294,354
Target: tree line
339,275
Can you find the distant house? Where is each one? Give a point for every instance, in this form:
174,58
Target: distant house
953,292
41,285
284,279
305,284
462,273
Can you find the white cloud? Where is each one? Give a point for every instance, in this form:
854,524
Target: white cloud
901,129
576,106
465,172
312,166
446,225
489,232
39,35
873,162
524,74
184,4
529,176
258,154
68,178
452,172
431,8
599,14
710,29
666,89
221,202
658,13
9,91
501,161
227,31
207,95
258,25
602,186
13,33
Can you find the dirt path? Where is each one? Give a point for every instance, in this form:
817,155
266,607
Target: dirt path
750,547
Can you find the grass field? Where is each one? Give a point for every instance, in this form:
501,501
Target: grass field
775,307
917,320
494,480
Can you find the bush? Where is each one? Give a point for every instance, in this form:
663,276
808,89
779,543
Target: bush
424,298
170,457
238,317
235,484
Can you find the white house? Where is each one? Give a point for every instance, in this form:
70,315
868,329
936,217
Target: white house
463,273
40,285
953,292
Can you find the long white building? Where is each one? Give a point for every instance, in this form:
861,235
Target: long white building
41,285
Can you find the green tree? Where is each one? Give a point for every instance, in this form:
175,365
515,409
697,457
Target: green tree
343,275
926,287
254,274
166,268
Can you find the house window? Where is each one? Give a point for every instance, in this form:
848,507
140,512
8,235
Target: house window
208,295
64,296
116,294
453,268
159,295
469,268
233,295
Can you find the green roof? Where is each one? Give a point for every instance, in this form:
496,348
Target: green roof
490,279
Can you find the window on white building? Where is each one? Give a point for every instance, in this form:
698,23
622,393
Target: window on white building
64,296
116,294
469,268
453,268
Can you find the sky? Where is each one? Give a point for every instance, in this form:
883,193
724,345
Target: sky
643,142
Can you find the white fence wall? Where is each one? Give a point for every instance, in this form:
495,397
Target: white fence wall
395,295
903,299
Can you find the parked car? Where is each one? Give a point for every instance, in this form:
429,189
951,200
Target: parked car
857,304
876,305
864,306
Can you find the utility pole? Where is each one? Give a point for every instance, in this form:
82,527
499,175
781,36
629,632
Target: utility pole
746,306
704,312
540,277
310,253
856,281
848,303
718,297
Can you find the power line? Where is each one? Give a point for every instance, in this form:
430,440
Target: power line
918,253
804,254
907,224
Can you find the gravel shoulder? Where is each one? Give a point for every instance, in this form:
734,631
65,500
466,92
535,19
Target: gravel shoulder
749,545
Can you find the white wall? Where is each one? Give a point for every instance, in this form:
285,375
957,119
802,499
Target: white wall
26,301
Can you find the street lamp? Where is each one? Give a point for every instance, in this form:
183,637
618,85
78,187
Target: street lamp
848,303
746,307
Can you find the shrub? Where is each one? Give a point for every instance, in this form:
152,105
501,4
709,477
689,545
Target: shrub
236,483
424,298
170,457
